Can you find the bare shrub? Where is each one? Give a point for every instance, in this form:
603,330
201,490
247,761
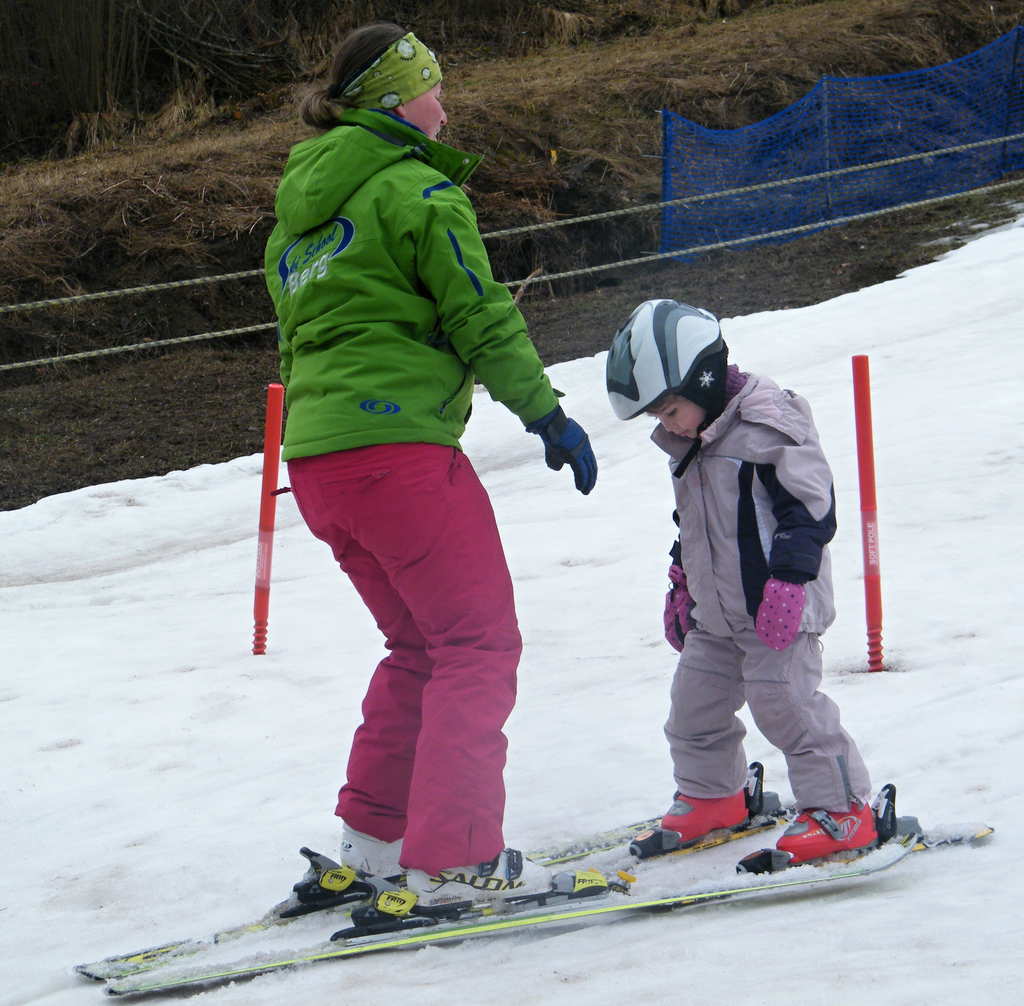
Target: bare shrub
64,58
563,27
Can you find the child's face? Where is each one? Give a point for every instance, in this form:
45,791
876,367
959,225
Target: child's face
679,416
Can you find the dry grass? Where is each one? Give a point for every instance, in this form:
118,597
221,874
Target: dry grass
569,129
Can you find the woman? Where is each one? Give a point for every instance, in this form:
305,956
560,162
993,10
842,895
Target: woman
388,314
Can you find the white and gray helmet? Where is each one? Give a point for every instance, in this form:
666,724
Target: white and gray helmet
667,348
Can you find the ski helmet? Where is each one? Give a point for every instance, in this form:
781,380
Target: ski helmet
667,348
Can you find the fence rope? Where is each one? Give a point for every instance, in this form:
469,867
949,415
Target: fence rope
549,277
112,350
803,228
744,189
81,298
536,277
546,225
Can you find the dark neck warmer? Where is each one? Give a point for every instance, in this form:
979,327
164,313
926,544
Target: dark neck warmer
735,379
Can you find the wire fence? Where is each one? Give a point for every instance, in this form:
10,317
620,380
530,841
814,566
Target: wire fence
851,121
542,277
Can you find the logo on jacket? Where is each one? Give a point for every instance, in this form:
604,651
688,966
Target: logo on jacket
379,407
306,258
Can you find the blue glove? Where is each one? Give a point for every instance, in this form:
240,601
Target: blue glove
565,442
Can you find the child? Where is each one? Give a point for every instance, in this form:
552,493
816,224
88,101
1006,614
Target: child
751,586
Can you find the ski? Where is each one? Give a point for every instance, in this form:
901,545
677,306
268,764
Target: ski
772,861
287,911
311,894
118,965
887,826
647,839
475,923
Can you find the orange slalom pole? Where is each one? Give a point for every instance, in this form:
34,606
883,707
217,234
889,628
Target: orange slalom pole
868,511
268,512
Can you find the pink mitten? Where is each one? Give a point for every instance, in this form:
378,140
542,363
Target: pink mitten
678,605
778,617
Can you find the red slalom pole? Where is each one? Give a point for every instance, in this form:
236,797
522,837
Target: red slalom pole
268,511
868,511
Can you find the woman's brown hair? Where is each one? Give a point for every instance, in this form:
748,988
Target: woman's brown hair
357,51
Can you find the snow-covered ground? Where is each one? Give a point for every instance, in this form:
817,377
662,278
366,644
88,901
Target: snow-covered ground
158,778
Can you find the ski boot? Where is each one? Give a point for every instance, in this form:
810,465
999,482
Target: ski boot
510,872
820,836
693,823
371,857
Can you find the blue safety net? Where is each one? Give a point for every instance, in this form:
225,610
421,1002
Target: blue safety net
842,122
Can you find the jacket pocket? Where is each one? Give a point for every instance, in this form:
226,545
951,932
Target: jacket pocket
467,377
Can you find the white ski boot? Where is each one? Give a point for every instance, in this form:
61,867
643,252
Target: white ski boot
509,873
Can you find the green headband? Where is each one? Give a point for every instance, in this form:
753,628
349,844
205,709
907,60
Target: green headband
405,70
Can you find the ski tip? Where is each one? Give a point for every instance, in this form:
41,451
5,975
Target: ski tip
88,971
978,831
963,834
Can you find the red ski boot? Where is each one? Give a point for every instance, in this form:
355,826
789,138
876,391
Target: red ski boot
693,817
816,834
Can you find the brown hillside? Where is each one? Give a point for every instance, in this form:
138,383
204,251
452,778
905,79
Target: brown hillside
198,200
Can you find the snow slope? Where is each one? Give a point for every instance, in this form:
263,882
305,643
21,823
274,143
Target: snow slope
158,778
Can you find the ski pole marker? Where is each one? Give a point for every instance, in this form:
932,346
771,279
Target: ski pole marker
268,511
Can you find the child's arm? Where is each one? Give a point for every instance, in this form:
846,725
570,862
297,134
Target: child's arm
678,601
798,481
797,477
800,535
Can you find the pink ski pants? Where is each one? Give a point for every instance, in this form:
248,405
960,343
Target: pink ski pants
413,528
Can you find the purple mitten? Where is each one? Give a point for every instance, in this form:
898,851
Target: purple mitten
778,616
678,605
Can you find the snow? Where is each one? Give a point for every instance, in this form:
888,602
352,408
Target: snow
158,778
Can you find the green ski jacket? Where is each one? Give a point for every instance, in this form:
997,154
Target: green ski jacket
387,309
